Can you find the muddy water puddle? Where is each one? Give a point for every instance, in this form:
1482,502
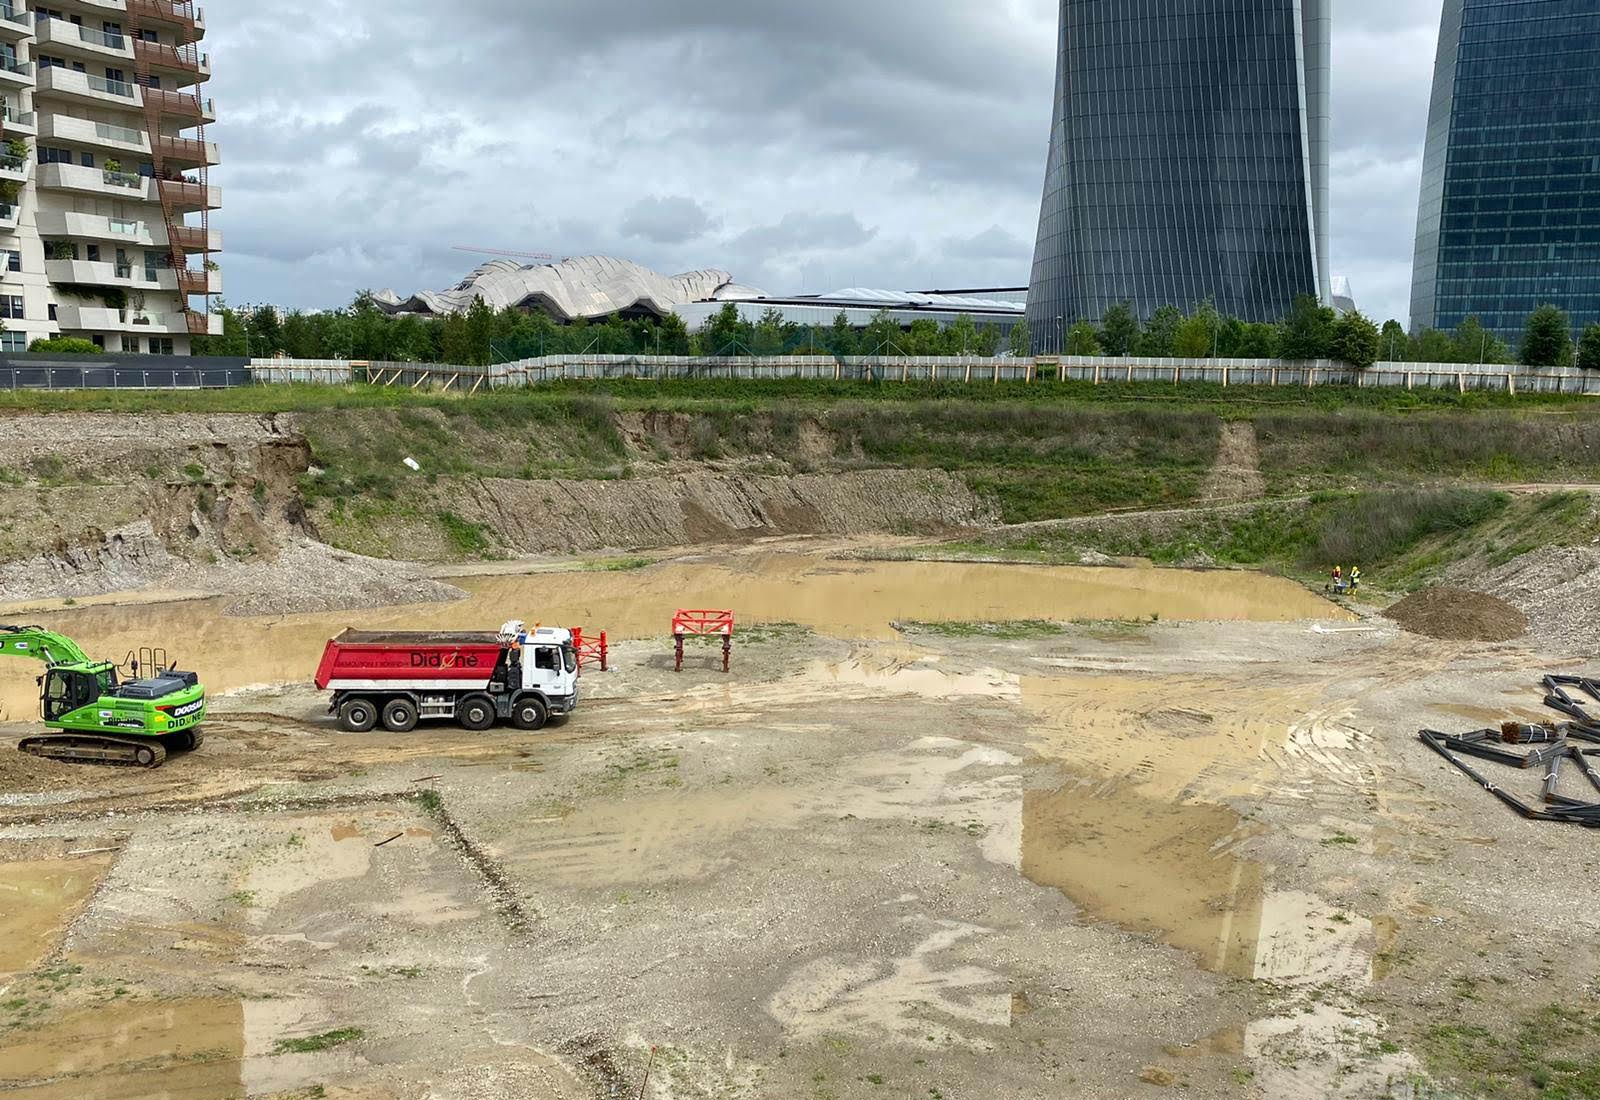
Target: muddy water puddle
1142,835
165,1050
857,600
38,899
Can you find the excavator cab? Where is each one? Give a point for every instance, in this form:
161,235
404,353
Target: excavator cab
67,690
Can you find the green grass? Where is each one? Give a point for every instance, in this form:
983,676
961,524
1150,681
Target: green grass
310,1044
1401,538
1553,1054
465,538
617,565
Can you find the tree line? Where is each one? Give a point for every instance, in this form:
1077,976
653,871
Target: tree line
481,335
1314,331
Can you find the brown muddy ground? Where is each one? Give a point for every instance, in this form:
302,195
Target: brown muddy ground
1105,859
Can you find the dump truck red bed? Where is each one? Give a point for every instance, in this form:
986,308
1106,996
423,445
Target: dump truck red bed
419,661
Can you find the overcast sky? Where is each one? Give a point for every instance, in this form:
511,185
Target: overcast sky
802,147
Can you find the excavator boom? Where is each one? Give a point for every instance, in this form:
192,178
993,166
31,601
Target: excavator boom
40,644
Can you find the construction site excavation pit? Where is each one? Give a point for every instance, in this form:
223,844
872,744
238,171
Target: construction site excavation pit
837,598
944,830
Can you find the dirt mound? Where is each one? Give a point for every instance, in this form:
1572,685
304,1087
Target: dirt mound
1559,590
21,772
1459,615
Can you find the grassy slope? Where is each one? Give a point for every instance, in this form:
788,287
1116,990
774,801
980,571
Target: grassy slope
1043,451
1402,538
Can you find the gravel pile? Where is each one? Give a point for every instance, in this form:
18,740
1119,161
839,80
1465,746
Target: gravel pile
1558,589
1459,615
308,576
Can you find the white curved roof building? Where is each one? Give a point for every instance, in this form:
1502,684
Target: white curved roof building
581,288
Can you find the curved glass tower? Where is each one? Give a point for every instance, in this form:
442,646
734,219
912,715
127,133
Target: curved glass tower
1510,214
1188,160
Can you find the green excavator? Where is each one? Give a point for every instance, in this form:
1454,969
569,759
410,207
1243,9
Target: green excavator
100,718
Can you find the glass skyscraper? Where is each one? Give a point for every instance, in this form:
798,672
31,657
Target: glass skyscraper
1188,160
1510,214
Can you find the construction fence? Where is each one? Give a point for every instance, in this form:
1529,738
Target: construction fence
528,372
25,371
1462,378
57,372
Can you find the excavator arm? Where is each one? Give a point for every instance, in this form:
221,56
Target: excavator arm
40,644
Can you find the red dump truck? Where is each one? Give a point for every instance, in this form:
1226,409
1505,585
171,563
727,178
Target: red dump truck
399,678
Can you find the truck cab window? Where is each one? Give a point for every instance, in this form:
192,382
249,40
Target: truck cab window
545,658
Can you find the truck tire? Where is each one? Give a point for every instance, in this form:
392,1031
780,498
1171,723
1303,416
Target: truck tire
358,715
400,715
529,714
187,741
475,713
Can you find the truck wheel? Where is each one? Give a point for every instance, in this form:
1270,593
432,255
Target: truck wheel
529,714
475,713
399,715
358,715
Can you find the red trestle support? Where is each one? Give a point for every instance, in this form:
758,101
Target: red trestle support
703,624
591,650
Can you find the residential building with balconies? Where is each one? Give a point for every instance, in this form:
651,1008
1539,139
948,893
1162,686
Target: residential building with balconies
105,196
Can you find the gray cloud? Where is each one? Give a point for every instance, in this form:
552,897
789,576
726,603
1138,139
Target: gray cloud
839,143
676,220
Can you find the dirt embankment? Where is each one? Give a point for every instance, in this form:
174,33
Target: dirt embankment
96,503
575,516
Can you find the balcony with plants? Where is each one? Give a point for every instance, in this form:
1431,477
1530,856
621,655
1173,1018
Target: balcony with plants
107,181
15,163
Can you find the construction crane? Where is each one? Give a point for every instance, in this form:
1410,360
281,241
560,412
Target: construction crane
544,256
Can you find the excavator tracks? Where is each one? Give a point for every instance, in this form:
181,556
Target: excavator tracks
84,748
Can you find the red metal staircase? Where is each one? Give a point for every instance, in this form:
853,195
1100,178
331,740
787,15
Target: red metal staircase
172,188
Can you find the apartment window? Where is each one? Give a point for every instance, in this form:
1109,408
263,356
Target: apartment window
11,306
50,155
148,36
130,344
161,345
52,311
13,342
152,267
94,253
88,160
48,62
116,76
124,269
13,259
99,342
153,81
